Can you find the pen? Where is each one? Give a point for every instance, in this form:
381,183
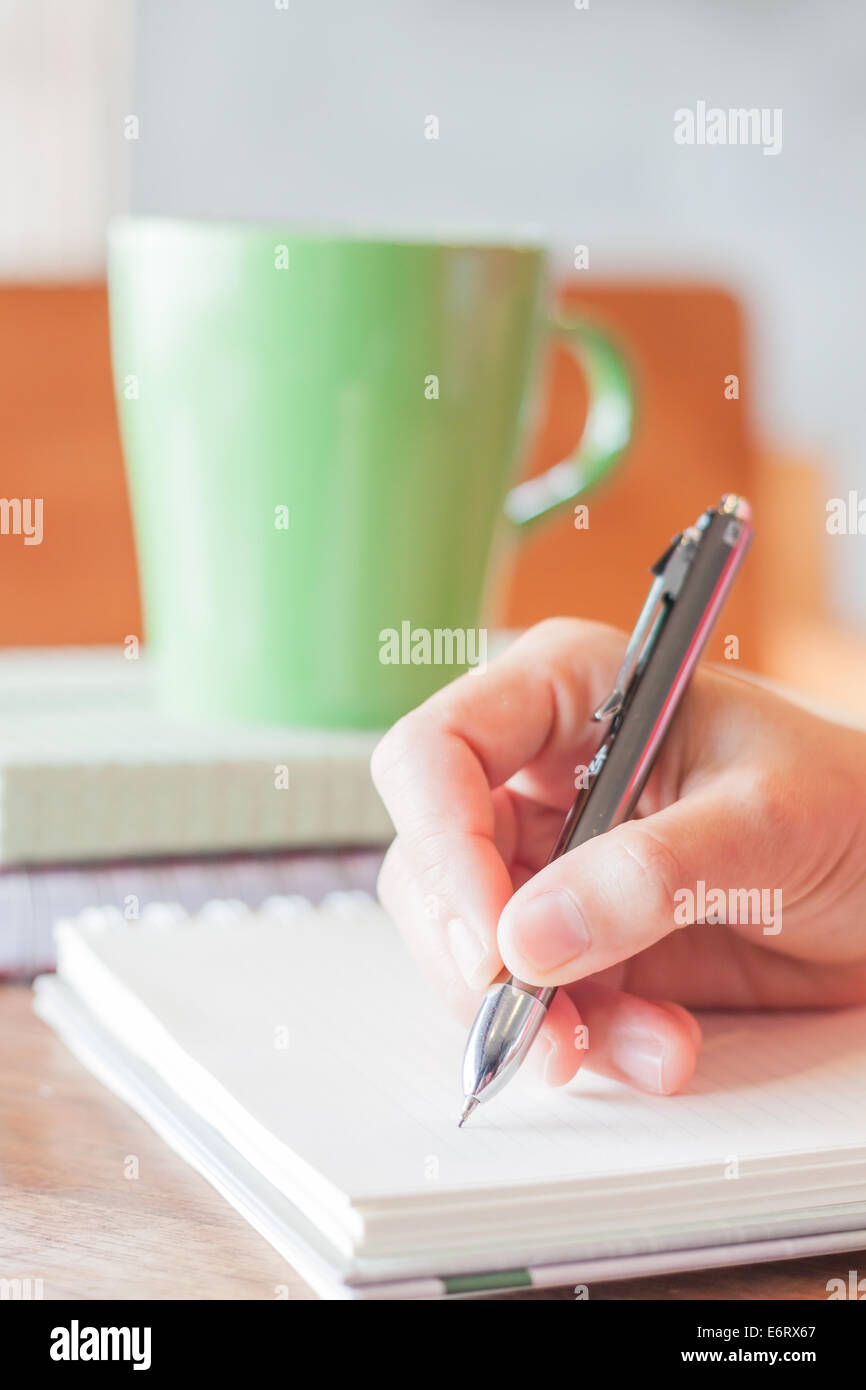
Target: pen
690,583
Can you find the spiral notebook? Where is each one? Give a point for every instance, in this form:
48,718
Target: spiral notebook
295,1057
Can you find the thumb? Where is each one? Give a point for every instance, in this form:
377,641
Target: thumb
619,893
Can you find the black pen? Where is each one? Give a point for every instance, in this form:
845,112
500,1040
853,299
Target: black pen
690,583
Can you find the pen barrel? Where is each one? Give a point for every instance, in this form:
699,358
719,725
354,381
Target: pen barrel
625,758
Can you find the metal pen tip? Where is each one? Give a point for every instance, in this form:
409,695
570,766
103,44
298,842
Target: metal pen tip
471,1103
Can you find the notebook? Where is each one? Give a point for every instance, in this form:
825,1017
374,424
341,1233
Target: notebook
32,899
297,1059
91,769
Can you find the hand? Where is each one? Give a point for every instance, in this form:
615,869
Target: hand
749,792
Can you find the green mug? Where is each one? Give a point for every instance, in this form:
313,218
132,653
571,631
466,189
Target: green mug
320,434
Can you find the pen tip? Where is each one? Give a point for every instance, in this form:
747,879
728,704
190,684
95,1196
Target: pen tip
469,1105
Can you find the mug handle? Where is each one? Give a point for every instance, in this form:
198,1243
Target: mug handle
605,435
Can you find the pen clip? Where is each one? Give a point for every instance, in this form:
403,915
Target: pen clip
669,572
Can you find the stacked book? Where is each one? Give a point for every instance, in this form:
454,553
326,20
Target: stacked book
99,790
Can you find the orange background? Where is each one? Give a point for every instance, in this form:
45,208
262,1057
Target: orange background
690,446
60,442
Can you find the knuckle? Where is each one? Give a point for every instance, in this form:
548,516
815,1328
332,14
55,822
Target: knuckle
565,632
392,753
647,864
777,808
553,628
431,853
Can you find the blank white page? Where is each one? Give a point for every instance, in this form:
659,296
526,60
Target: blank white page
318,1026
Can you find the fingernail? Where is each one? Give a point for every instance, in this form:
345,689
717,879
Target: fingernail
689,1021
547,931
640,1057
539,1053
472,956
548,1060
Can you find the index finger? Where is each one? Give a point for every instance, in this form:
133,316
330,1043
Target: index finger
436,771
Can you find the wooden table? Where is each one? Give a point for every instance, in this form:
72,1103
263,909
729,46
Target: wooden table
72,1217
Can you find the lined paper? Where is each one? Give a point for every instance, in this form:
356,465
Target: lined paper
317,1027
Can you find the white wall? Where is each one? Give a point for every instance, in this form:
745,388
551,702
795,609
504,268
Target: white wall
64,81
560,120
